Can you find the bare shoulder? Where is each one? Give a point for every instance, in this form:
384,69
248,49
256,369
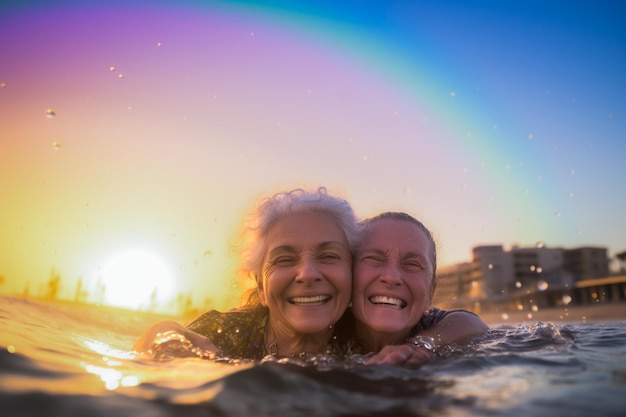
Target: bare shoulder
458,327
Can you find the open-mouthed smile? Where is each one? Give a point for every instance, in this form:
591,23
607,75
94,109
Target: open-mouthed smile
307,301
390,301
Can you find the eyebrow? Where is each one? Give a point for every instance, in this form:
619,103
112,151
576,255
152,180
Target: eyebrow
408,255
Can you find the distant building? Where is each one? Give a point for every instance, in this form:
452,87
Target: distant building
449,291
587,263
527,278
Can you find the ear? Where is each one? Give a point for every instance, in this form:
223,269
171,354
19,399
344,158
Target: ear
261,291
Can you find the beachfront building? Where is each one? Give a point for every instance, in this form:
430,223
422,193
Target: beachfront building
489,276
528,279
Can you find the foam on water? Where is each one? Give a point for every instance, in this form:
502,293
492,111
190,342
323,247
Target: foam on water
62,359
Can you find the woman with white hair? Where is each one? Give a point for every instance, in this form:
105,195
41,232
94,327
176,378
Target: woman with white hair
299,253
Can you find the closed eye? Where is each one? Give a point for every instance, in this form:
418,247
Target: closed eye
330,257
373,259
413,266
283,260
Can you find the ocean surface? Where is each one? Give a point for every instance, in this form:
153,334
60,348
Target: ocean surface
61,359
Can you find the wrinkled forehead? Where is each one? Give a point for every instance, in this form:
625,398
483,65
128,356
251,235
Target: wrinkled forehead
387,234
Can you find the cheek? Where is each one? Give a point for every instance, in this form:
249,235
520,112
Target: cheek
357,280
421,288
360,278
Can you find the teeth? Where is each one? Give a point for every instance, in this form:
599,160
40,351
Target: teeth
383,299
309,300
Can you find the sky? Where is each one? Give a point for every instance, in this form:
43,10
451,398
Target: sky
136,135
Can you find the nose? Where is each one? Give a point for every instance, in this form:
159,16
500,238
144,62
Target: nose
391,275
308,270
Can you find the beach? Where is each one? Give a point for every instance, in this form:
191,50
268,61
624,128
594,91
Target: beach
605,312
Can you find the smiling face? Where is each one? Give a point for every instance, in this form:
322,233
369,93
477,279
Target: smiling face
306,276
392,279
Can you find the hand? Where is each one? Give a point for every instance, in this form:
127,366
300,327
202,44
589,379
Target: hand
173,340
406,354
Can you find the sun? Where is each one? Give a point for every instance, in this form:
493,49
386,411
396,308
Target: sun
136,279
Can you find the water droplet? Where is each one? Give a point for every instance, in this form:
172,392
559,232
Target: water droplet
452,94
539,270
542,285
505,316
207,253
539,245
557,214
572,172
56,146
159,44
534,308
490,266
120,76
3,85
85,203
530,136
539,178
525,190
252,34
408,190
112,68
529,315
566,299
518,284
219,330
570,195
533,268
50,113
183,267
11,349
520,307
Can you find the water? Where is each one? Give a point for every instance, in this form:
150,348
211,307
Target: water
61,359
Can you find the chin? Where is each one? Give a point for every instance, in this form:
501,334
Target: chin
387,323
311,328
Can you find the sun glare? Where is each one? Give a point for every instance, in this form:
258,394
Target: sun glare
136,279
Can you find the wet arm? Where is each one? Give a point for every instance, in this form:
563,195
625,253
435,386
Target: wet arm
166,330
457,327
